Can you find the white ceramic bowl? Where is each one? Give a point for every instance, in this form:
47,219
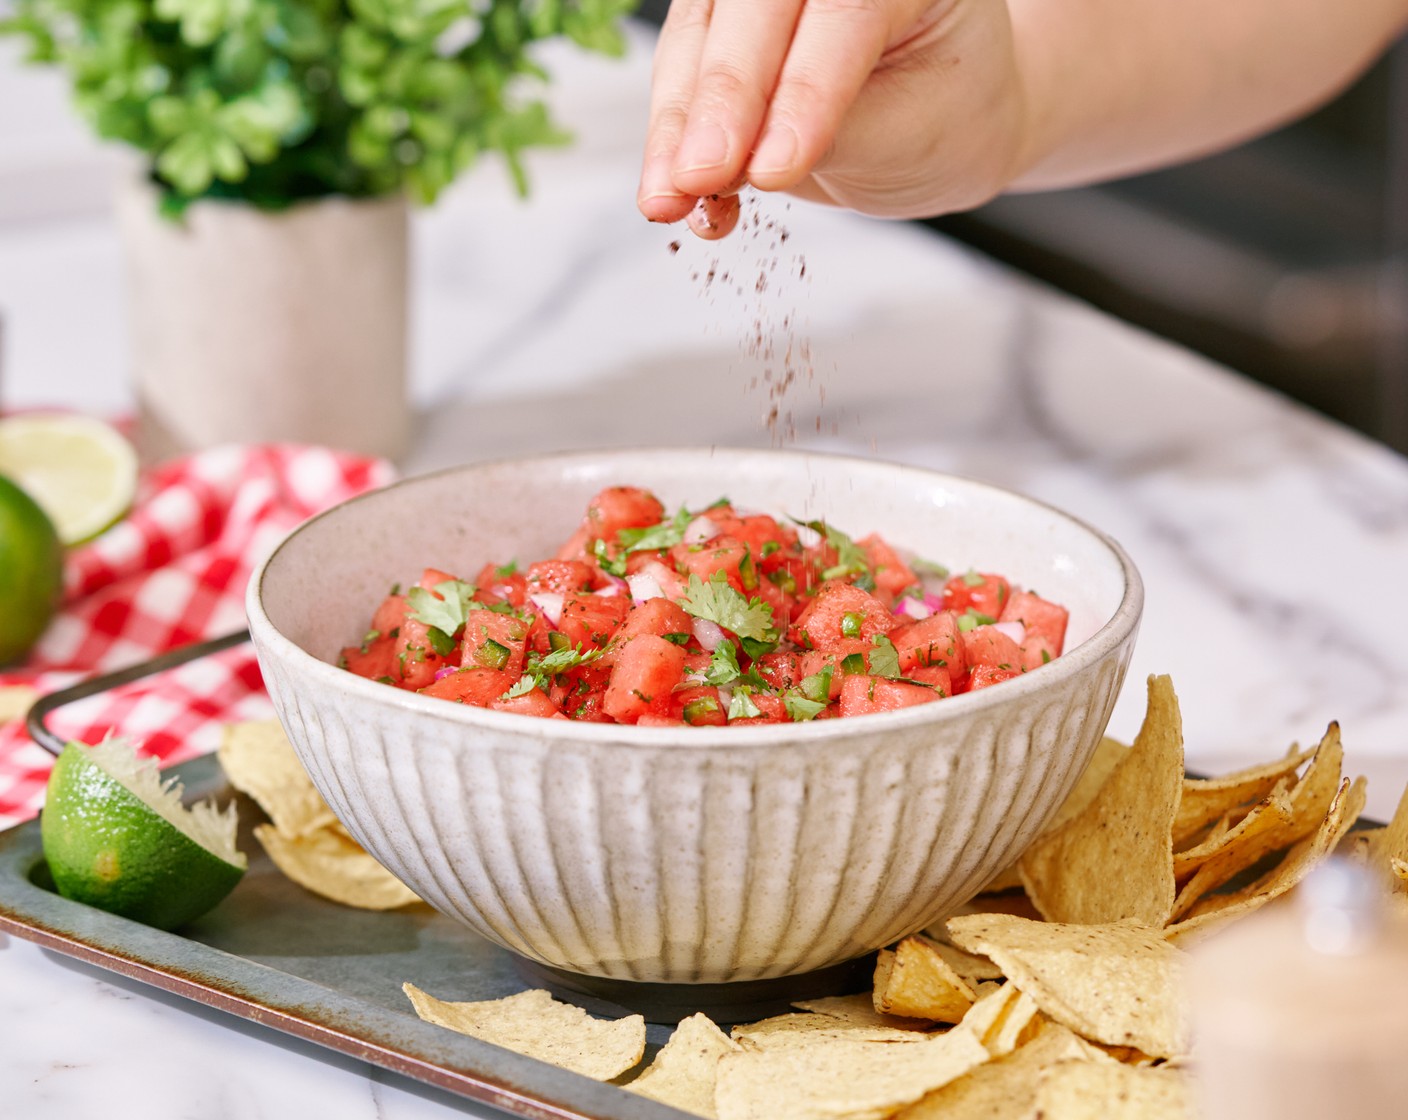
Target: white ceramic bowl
688,855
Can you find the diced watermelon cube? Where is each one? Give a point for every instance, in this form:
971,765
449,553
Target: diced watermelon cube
643,679
865,695
1041,617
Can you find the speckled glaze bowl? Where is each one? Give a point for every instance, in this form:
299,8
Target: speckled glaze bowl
688,855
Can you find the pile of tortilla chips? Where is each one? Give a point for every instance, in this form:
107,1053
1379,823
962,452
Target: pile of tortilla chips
305,841
1054,995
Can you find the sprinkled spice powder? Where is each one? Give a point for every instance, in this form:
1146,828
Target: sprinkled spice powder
755,285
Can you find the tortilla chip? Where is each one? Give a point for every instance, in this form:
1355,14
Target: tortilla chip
1114,859
840,1080
1274,811
1015,1027
970,966
1118,983
1007,1087
859,1010
1109,1091
1389,844
916,981
1204,800
336,867
1107,756
686,1069
535,1024
1016,904
989,1013
784,1031
259,761
1218,909
1310,802
15,702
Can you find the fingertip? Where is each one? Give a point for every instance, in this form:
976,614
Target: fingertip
666,206
714,217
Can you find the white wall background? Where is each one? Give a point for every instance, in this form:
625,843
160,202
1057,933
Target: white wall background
50,165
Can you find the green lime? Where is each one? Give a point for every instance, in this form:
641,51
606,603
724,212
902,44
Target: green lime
117,837
81,471
31,571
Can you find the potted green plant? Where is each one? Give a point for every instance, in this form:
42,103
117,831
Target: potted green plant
267,235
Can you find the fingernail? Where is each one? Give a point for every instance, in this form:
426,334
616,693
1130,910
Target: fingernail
776,152
704,146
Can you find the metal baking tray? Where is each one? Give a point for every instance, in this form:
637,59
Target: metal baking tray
284,958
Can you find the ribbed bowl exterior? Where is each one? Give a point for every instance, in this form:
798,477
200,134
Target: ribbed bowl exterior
614,852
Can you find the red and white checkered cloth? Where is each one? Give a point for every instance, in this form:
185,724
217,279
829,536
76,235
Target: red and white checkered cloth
173,572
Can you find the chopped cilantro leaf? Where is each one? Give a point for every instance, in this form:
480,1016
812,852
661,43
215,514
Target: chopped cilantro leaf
680,638
719,503
368,638
445,608
667,534
742,706
503,571
717,601
800,708
970,619
973,578
884,658
769,547
521,687
723,667
850,557
440,641
756,648
614,566
560,660
853,663
1046,657
865,581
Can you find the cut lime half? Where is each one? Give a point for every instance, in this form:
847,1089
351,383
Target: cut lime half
117,837
81,471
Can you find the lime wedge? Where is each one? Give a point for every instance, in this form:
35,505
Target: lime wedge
31,571
117,837
82,473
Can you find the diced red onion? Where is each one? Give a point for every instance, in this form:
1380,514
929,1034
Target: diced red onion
441,674
699,530
644,586
725,695
550,603
1014,630
614,586
502,590
914,608
708,634
935,603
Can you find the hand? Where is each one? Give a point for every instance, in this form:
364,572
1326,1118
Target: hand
897,108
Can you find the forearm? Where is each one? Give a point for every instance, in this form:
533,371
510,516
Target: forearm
1113,87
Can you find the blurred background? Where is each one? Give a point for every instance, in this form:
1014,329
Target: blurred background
1283,259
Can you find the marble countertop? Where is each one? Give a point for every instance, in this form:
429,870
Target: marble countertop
1272,542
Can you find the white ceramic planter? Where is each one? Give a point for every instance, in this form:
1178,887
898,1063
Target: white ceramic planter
251,326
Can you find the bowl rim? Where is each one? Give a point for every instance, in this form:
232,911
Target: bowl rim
269,640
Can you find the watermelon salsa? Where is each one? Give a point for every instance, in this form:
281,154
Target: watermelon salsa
712,617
